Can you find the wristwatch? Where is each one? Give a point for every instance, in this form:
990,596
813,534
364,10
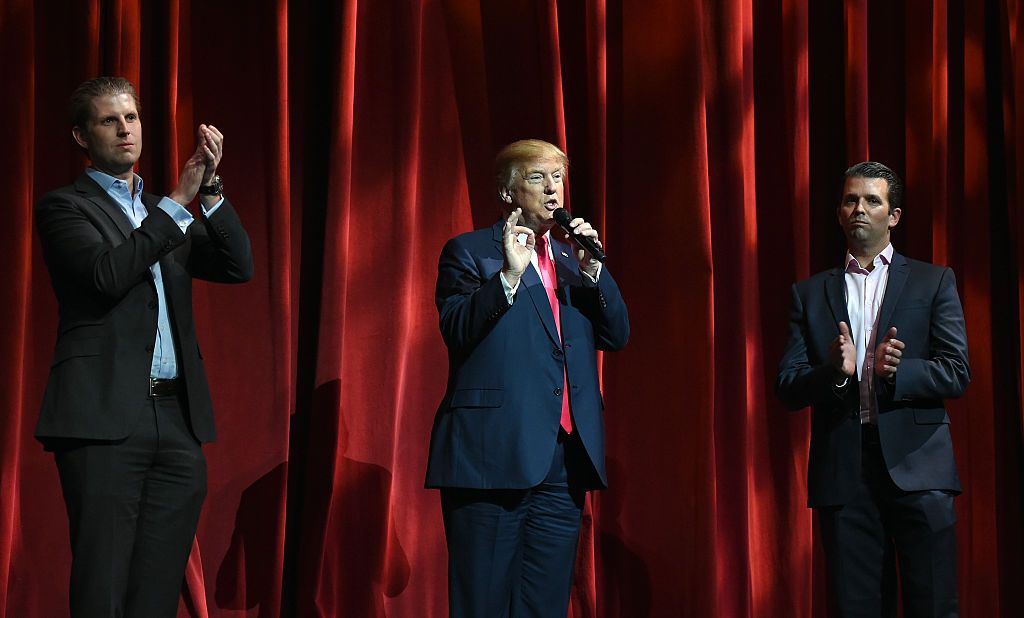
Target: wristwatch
216,186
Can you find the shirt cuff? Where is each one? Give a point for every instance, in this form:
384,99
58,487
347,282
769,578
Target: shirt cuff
510,291
212,209
587,279
182,217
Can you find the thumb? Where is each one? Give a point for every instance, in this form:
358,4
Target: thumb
844,330
890,334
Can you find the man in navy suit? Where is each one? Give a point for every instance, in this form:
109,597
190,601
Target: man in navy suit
127,402
519,438
874,348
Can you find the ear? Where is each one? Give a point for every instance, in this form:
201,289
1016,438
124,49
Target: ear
80,136
506,196
894,217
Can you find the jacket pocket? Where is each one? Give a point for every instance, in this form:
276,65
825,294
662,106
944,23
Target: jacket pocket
478,398
71,348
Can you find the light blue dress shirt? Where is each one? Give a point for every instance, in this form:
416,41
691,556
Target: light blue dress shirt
165,364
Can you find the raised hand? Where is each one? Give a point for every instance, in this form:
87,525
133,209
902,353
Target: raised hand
517,256
201,166
587,262
888,355
842,353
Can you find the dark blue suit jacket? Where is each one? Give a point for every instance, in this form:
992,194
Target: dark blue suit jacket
498,422
921,302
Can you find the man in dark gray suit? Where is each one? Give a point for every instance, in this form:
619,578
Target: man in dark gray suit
127,403
874,348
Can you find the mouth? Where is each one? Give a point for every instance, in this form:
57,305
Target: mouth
551,205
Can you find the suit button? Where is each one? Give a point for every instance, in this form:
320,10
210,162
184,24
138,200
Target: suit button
557,391
556,353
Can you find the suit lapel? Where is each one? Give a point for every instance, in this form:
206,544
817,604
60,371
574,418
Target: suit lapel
835,291
92,191
898,270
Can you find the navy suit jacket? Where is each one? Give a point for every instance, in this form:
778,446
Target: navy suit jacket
921,302
99,268
498,422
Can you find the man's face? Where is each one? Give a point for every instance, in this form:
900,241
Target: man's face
113,136
864,212
537,188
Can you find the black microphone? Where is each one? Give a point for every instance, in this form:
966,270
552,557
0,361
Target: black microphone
562,218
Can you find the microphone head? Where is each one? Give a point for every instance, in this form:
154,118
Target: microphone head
562,217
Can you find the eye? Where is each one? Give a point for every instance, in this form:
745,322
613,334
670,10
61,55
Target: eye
557,176
132,117
534,178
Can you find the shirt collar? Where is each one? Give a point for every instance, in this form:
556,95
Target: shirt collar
883,258
106,181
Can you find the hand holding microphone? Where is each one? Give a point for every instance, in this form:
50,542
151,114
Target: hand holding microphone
584,235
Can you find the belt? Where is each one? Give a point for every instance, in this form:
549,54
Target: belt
164,388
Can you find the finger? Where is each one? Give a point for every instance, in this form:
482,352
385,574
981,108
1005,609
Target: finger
896,343
510,221
215,131
844,330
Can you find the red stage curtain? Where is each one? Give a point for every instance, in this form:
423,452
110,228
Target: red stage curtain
707,139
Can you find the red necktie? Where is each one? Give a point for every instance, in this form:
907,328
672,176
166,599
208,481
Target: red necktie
547,276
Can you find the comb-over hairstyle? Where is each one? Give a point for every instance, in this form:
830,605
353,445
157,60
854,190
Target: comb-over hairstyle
873,169
513,157
80,107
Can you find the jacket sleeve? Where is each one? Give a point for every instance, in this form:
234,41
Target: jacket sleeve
220,249
946,372
604,306
468,302
75,249
801,382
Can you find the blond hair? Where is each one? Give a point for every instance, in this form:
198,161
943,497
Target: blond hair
513,157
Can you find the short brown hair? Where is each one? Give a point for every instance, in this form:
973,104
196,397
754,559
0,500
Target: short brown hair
80,104
511,158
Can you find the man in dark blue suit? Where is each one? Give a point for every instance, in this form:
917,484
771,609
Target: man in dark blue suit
519,438
874,348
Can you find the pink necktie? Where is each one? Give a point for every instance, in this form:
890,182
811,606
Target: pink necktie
547,276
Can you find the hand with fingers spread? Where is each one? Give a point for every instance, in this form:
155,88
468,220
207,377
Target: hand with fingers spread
201,167
517,255
842,353
888,355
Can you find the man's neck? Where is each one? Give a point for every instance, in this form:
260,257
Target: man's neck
865,256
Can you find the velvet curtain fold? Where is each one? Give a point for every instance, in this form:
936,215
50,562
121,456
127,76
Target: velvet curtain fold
706,139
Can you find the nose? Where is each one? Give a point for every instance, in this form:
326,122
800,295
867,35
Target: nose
122,126
549,186
859,207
